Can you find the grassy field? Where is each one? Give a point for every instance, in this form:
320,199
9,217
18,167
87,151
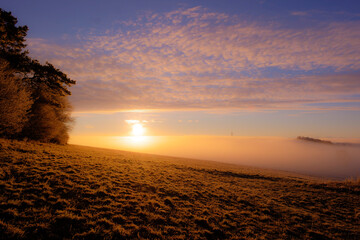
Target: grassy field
55,192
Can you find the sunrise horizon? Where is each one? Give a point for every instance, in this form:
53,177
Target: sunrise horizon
187,119
291,70
176,78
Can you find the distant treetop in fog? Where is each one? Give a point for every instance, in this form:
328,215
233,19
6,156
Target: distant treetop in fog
309,139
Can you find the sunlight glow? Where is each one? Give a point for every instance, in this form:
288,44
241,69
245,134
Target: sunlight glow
137,141
138,130
133,143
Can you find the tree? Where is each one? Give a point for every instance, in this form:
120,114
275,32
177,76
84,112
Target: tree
12,41
50,114
15,102
48,123
48,118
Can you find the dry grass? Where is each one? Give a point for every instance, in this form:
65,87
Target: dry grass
72,192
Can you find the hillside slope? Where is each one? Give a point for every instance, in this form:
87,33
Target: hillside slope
55,192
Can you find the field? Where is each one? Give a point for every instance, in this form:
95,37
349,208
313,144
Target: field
73,192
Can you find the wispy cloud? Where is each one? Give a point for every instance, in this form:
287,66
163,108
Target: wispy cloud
299,13
194,58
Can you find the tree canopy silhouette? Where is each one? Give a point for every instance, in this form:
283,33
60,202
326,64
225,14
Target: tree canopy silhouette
45,114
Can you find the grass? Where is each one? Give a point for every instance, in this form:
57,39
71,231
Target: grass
72,192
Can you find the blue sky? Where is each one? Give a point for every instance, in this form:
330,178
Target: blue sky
265,68
53,19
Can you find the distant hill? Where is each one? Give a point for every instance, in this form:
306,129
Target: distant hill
49,191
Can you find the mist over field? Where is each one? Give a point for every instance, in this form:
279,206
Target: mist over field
317,159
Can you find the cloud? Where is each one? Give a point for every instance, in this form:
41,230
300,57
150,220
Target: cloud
197,59
299,13
132,121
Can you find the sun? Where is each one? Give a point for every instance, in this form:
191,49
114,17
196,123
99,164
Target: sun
138,129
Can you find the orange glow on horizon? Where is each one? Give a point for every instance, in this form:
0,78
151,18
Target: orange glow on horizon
287,154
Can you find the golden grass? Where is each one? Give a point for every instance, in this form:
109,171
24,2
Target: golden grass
55,192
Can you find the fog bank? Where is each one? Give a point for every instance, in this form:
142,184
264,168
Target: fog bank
324,160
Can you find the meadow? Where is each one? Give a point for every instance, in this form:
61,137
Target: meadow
51,191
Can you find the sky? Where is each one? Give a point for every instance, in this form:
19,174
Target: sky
243,68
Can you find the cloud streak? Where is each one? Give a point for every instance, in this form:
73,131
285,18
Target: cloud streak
197,59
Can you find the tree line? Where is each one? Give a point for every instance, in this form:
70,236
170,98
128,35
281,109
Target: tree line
33,96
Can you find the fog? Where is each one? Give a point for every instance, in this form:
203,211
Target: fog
316,159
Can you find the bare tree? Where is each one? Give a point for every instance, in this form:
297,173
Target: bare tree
15,102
